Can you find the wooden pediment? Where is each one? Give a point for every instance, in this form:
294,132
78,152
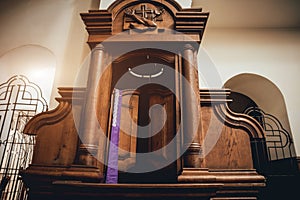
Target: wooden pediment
144,17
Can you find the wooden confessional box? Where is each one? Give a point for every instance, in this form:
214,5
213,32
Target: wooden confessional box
175,141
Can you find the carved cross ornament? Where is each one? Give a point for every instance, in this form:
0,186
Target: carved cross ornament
143,17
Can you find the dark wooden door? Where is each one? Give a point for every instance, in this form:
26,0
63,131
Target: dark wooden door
156,122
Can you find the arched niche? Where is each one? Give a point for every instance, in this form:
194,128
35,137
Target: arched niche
149,114
263,92
33,61
267,105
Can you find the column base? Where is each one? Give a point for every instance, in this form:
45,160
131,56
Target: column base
37,175
236,183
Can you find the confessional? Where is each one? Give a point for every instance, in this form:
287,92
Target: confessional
174,140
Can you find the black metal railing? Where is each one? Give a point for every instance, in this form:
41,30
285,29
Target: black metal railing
279,141
20,100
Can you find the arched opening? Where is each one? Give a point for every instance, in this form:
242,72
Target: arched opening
33,61
146,79
23,94
258,97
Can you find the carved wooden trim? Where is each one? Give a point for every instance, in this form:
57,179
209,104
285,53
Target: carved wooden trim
191,22
154,53
227,177
98,22
209,96
243,121
118,5
47,118
101,24
93,191
59,113
218,99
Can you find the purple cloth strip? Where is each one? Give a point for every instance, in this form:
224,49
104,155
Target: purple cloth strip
112,170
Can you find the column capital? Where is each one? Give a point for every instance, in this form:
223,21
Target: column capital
188,47
99,47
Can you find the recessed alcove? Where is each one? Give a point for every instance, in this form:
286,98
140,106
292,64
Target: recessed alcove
147,80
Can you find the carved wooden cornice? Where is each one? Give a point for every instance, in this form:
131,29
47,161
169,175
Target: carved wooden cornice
209,96
190,21
98,22
102,24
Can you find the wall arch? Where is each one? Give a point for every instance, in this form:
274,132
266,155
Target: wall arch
263,92
36,62
267,97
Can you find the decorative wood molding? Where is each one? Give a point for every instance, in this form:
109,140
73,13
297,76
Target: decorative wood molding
47,118
104,4
98,22
202,191
243,121
241,183
213,96
144,17
209,96
102,24
218,99
226,177
59,113
62,172
119,5
164,56
191,21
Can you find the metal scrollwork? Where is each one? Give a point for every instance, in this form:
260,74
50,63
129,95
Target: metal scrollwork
20,100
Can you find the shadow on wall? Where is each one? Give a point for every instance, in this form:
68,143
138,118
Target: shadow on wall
263,92
260,98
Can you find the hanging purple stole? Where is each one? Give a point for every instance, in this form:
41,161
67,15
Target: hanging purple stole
112,167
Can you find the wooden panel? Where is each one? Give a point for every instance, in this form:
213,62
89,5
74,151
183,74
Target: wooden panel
128,130
58,142
226,147
162,123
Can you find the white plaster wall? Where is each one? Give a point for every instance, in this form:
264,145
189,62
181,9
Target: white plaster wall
33,62
53,25
271,53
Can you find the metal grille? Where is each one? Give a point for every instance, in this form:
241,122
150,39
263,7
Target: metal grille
20,100
278,140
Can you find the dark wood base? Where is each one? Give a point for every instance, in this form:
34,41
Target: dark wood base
236,184
68,190
40,178
201,184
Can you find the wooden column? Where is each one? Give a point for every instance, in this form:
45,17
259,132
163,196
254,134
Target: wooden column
91,130
191,110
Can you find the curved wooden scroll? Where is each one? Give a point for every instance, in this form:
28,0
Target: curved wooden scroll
243,121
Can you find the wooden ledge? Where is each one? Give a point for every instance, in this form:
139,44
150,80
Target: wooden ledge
76,189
